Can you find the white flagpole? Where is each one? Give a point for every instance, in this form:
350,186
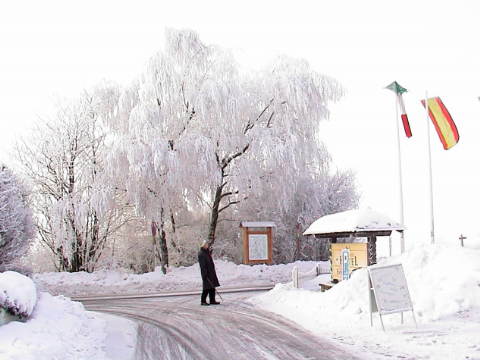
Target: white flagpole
400,181
432,228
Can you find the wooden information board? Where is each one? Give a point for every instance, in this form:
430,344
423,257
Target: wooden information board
257,241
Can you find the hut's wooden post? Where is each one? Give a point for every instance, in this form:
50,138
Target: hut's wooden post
372,250
333,240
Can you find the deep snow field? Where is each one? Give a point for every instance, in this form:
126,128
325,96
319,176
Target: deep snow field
444,283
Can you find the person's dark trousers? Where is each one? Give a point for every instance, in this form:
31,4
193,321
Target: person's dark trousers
210,293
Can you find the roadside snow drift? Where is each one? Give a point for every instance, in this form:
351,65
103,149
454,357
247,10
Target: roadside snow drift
58,329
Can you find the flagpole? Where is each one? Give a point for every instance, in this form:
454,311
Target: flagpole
400,181
432,226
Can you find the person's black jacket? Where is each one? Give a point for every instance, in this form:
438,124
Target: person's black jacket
207,269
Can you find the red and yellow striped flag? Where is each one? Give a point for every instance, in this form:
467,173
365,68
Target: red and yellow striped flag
443,122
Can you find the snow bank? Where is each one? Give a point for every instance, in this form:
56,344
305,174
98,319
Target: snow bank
442,280
444,284
181,278
58,329
18,294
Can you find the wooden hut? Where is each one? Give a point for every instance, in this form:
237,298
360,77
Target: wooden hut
355,230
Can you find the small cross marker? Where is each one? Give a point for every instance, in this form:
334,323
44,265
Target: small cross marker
461,238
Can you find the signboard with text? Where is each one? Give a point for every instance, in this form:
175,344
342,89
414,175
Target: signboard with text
388,291
390,288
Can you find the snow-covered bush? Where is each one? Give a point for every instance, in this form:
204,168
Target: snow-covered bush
18,294
16,227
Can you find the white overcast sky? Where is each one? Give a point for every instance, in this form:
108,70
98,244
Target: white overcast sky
54,49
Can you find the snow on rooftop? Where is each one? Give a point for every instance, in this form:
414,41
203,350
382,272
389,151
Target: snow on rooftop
352,221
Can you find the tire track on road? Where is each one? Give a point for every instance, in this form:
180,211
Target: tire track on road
234,329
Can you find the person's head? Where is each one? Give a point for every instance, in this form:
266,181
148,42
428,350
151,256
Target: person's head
205,245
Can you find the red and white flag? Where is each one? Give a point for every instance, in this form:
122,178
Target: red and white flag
399,90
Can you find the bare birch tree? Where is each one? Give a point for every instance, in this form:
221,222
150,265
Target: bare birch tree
77,206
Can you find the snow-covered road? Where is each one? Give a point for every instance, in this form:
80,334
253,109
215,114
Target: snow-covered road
178,328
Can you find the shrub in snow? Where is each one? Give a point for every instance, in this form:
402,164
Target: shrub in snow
16,227
18,294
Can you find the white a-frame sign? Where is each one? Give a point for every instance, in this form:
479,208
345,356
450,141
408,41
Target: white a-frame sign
388,291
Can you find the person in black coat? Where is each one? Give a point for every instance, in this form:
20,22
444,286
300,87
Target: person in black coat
209,276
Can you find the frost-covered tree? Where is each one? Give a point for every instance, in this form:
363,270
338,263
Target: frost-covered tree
156,149
317,194
292,206
242,128
77,206
201,138
264,130
16,226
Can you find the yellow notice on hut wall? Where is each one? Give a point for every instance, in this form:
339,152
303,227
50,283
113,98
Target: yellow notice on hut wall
358,257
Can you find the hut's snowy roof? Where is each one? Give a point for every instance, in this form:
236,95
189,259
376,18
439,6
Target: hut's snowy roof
366,220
